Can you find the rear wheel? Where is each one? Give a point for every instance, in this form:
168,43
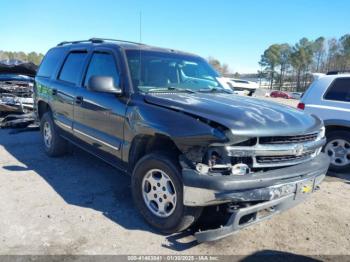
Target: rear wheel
338,149
54,145
158,194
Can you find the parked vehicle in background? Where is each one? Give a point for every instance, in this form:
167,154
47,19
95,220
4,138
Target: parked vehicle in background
280,94
296,95
191,147
16,88
244,87
16,94
328,97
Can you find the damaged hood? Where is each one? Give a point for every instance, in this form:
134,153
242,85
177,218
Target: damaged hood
244,116
27,69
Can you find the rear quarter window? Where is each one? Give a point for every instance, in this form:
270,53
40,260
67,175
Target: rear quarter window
339,90
50,63
72,67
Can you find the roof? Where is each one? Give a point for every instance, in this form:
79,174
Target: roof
127,45
337,76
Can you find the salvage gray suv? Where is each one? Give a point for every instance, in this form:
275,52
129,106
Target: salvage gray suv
192,148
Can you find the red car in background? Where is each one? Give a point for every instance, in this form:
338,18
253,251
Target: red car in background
280,94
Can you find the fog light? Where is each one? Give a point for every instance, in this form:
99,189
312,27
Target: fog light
202,169
240,169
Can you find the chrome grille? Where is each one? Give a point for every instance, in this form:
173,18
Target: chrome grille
288,139
280,150
281,159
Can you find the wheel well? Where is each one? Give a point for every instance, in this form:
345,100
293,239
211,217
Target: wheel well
43,107
145,144
331,128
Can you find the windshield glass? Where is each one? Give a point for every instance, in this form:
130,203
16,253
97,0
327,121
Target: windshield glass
162,71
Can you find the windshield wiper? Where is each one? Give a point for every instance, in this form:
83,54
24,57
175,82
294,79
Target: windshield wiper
215,90
171,88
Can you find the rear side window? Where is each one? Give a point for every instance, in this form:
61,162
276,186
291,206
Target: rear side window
339,90
102,64
50,63
72,67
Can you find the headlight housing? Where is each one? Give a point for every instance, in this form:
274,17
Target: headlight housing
322,133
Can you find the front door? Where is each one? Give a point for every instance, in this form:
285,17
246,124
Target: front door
99,117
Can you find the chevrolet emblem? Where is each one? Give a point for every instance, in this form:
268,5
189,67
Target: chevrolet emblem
299,150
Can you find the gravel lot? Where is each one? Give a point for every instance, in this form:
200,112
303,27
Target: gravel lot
77,204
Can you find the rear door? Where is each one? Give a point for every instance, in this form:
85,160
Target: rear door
99,117
334,103
337,99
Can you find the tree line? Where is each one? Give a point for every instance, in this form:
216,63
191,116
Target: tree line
33,57
290,67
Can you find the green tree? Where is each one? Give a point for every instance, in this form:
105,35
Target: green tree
283,61
345,51
270,60
31,57
218,66
301,59
319,51
236,75
332,54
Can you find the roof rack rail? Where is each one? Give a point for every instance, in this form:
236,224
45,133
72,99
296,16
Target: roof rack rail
114,40
97,40
77,42
337,72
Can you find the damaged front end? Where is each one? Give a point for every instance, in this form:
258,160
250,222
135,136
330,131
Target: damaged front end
249,179
16,94
242,158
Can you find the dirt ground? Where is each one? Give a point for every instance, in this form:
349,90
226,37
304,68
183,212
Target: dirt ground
77,204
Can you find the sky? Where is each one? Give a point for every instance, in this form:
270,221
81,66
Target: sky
234,31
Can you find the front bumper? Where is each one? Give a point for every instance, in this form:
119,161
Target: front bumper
274,191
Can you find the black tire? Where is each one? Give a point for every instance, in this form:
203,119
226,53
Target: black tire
183,216
58,145
332,136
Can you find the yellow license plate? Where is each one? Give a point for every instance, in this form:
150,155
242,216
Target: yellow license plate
305,187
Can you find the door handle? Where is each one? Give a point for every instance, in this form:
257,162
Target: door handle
79,99
54,91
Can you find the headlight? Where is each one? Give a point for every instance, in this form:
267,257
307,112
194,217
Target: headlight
322,133
240,170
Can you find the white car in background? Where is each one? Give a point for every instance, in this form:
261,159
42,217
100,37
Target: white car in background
239,86
296,95
328,97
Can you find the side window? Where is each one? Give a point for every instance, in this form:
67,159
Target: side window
102,64
50,62
339,90
72,67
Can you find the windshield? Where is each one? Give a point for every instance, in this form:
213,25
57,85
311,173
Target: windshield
162,71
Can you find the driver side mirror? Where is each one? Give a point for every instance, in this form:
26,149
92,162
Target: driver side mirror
103,84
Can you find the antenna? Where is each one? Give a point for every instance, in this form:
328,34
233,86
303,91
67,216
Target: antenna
140,27
140,62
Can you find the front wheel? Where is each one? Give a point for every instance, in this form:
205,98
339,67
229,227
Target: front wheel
158,194
338,149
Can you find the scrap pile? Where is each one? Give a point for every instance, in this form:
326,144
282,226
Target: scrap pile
16,94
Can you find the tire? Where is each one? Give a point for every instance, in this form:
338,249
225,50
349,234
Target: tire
57,146
338,144
177,217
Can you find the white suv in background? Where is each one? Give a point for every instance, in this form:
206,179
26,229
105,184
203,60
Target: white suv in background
328,97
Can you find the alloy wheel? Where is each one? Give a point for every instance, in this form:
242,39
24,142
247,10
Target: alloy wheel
47,133
339,152
159,193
